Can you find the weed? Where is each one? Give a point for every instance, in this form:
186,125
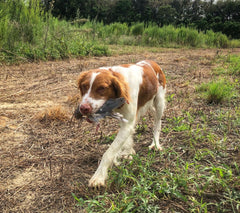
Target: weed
108,139
137,29
217,91
142,127
29,33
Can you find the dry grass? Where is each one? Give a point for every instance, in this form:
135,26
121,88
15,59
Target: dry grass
54,113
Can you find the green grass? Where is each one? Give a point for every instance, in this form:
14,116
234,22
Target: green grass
144,183
152,35
230,65
223,89
216,92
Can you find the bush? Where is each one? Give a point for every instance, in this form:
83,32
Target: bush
221,40
188,37
137,29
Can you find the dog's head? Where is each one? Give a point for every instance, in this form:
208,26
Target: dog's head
98,86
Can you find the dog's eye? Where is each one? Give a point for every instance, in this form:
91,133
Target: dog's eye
84,88
101,89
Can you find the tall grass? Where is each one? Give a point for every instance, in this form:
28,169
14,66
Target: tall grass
27,32
152,35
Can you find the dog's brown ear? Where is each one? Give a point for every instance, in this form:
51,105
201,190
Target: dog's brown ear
120,86
81,77
80,80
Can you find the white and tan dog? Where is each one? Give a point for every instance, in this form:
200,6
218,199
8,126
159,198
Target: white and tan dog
143,85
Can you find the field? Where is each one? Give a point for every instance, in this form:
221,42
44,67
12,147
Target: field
46,159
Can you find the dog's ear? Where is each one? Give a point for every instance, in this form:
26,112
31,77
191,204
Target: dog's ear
120,86
81,78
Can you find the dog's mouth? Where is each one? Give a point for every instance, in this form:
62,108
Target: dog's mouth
105,110
78,115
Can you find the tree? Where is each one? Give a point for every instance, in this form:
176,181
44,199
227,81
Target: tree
165,15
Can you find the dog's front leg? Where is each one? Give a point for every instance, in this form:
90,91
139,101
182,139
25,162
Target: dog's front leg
100,176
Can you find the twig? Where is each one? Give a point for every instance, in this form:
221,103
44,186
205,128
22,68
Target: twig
177,205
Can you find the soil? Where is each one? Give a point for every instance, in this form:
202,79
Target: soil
44,155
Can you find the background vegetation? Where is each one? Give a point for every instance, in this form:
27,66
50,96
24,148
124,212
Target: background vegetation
219,16
29,33
30,30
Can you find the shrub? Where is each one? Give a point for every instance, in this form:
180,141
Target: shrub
209,38
137,29
221,40
187,36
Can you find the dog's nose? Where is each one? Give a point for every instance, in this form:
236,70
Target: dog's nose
85,109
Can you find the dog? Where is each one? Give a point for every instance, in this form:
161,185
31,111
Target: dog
143,86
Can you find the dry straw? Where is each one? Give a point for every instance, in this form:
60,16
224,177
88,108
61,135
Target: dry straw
55,113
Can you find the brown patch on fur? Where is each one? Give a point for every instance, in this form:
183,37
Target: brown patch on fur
159,72
149,86
125,65
107,84
102,87
121,86
83,81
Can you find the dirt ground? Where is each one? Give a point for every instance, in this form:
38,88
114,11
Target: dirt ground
43,161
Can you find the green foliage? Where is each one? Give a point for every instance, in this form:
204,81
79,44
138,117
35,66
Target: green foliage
137,29
140,185
188,37
233,64
219,16
217,91
29,33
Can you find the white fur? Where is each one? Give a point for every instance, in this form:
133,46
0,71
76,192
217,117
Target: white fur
96,104
122,146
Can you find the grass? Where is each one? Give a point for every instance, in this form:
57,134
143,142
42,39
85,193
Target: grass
216,92
144,183
223,89
28,33
230,65
198,171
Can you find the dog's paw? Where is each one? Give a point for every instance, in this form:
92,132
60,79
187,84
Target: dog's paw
97,181
127,154
155,147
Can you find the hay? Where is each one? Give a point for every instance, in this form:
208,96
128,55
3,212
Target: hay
54,113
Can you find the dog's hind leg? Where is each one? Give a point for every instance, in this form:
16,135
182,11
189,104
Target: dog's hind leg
159,105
